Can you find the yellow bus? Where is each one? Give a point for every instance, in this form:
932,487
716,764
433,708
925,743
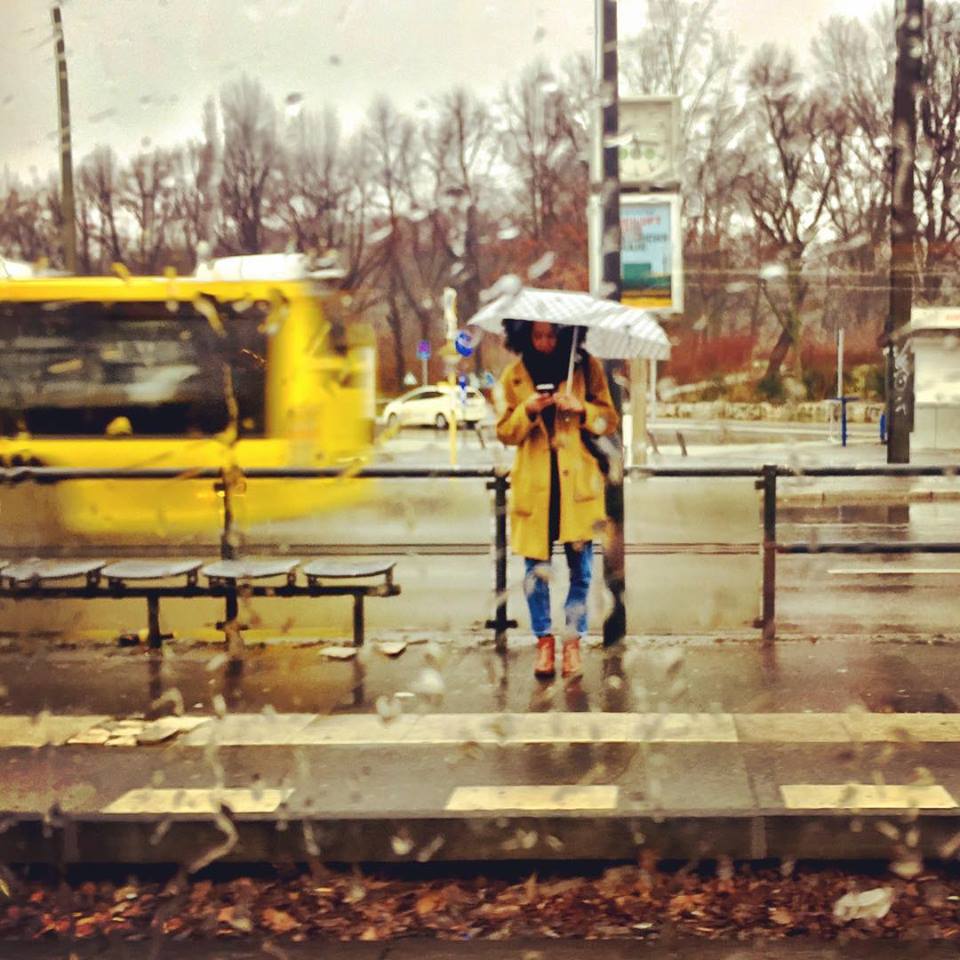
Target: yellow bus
140,372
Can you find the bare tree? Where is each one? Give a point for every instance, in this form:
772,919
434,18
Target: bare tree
252,157
196,186
682,52
148,195
938,148
100,180
547,148
785,187
28,223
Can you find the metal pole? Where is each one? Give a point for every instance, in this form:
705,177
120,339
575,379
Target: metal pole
903,228
231,625
615,626
768,484
500,623
68,202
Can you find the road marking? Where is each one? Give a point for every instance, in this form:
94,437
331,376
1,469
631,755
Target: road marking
865,796
887,571
250,729
502,729
791,728
159,802
541,798
21,730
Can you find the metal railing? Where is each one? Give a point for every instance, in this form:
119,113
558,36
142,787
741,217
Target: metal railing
766,481
498,483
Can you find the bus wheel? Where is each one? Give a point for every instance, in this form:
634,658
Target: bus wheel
440,422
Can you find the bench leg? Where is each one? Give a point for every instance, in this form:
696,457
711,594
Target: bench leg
154,636
231,627
358,620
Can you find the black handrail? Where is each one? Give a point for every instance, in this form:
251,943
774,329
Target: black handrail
766,478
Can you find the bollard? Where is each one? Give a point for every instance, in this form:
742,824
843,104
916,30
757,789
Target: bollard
500,623
231,613
768,483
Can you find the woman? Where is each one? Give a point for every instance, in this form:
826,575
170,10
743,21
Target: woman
557,485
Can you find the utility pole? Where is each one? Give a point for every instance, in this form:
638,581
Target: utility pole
903,229
606,196
68,203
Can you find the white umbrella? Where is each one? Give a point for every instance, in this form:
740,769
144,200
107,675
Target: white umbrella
614,331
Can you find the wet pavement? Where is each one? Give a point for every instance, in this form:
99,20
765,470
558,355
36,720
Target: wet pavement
532,949
697,746
427,949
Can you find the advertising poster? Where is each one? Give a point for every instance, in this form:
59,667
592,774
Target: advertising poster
651,268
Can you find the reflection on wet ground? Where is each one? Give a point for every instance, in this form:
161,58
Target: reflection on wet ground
465,674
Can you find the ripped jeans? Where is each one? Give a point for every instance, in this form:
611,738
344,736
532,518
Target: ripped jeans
536,586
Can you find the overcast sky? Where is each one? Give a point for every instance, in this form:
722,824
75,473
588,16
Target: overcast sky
140,69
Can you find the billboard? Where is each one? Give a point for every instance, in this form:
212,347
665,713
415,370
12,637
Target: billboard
651,251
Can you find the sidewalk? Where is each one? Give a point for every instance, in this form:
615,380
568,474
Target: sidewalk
692,748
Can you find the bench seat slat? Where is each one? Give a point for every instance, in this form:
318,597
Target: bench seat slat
341,570
150,569
250,568
29,571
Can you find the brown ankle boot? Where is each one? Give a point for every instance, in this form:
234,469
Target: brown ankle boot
572,665
546,665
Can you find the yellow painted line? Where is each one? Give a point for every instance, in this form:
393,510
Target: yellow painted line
541,799
520,728
791,728
251,729
163,801
903,727
504,729
865,796
20,730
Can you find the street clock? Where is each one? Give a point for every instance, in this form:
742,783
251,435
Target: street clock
645,160
649,142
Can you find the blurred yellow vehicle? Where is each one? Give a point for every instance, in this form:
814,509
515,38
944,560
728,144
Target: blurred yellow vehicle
185,372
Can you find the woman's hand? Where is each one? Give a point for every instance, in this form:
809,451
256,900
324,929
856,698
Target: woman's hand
568,403
538,402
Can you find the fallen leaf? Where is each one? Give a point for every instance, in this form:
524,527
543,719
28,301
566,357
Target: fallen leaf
782,916
279,921
392,648
428,903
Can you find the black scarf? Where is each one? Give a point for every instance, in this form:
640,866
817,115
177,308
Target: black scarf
547,367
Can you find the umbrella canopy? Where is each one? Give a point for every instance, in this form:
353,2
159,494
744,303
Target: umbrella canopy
613,331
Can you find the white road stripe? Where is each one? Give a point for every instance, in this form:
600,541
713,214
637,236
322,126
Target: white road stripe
160,802
539,798
865,796
24,730
504,729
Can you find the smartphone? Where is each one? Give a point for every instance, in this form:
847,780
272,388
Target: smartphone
546,388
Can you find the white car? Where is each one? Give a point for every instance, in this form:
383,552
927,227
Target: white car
435,406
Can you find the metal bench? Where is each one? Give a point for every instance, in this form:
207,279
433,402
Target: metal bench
317,571
119,575
229,579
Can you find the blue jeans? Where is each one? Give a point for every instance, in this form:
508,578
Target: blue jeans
536,586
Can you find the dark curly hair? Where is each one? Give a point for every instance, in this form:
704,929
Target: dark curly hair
518,339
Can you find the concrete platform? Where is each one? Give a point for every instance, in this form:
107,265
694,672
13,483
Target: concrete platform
448,750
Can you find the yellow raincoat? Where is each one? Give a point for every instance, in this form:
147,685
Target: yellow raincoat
581,482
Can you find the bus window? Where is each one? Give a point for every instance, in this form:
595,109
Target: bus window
72,368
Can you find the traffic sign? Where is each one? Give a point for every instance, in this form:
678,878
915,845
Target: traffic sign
423,350
464,343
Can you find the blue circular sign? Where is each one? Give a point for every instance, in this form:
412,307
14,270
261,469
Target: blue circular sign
464,344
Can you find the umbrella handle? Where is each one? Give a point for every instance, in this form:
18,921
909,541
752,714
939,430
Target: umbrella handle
573,353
